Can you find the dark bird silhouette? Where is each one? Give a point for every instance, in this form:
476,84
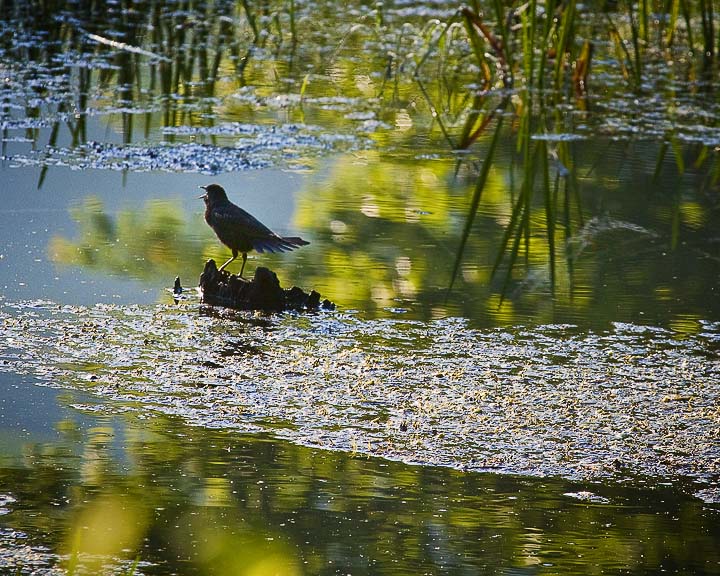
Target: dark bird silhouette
240,231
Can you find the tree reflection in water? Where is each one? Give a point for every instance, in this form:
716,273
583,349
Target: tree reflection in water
186,499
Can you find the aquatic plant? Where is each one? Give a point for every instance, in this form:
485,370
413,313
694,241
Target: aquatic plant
542,53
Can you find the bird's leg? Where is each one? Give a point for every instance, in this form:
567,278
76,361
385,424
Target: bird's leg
243,266
231,259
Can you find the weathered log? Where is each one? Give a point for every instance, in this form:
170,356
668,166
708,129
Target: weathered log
263,292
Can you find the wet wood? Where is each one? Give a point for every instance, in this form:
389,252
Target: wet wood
263,292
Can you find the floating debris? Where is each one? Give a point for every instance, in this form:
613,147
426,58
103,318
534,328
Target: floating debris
19,556
709,495
5,501
599,225
587,497
262,147
183,157
126,47
567,137
542,401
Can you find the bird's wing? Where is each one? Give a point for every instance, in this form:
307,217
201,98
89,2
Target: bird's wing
276,243
241,230
229,217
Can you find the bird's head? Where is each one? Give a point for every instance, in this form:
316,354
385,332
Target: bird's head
213,193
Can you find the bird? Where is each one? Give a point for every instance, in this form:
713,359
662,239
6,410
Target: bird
239,230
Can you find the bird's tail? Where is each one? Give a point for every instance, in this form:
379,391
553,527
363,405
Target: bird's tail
278,244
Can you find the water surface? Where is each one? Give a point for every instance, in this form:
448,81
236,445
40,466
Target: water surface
479,401
192,499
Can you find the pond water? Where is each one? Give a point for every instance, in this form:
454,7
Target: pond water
521,375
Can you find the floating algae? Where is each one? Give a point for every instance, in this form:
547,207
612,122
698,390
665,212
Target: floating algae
550,400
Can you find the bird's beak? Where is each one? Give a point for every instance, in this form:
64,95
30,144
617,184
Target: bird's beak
204,195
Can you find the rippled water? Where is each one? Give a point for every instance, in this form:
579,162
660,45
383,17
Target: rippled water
480,402
199,500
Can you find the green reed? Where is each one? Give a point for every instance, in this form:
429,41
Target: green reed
708,27
475,202
544,52
540,52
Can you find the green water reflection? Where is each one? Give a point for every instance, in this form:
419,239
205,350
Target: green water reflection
617,226
385,232
114,489
599,204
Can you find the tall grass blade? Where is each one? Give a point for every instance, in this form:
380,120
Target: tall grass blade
544,44
568,18
475,202
678,153
659,162
708,28
622,54
513,257
582,68
643,18
133,568
675,225
549,212
523,228
423,90
570,177
514,216
716,171
687,16
435,114
498,46
503,24
637,68
251,20
702,156
470,121
528,41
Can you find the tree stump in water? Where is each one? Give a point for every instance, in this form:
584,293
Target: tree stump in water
263,292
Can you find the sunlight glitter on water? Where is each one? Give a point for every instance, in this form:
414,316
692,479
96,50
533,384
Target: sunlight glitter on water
549,400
